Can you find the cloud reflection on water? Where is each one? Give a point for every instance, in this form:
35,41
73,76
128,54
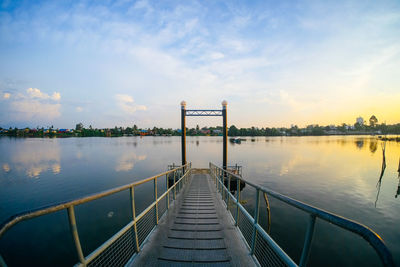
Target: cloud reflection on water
34,158
6,167
127,161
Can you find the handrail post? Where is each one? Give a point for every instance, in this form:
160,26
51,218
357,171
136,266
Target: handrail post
256,213
174,185
307,241
166,190
237,200
215,174
221,183
156,200
132,193
229,190
74,231
216,178
179,182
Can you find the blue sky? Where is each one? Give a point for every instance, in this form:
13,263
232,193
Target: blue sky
277,63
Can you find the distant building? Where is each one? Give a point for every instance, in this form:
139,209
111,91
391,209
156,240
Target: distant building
143,132
217,131
205,130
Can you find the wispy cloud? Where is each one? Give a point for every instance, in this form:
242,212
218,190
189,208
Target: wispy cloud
127,104
34,104
303,59
36,93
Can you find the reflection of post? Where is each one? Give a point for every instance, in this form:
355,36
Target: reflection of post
225,134
183,125
382,171
398,170
398,186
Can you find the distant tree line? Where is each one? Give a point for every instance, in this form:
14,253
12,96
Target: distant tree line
80,131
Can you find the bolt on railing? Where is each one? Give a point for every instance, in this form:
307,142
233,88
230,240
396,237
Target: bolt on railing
184,171
370,236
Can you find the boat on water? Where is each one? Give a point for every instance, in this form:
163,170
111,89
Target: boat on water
235,140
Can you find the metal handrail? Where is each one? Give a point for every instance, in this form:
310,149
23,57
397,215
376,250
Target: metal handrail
368,234
69,206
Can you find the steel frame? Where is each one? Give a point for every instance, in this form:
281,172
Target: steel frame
203,112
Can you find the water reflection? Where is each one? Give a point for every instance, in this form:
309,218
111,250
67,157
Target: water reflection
373,146
383,168
127,161
33,158
335,173
6,167
398,177
359,143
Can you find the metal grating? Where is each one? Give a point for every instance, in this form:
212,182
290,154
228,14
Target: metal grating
245,226
119,253
265,255
162,206
262,251
145,225
232,207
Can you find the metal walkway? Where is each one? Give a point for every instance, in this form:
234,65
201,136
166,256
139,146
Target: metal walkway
196,232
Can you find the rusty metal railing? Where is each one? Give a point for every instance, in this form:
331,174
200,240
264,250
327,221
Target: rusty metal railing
261,245
127,241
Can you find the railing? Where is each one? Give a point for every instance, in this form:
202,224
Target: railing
261,245
127,241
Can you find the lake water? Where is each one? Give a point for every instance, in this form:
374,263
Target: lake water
338,173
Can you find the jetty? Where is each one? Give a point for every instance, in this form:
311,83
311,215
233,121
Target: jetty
197,231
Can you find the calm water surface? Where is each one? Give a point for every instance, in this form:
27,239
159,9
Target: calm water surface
338,174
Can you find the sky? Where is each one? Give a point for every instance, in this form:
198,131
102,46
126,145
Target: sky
120,63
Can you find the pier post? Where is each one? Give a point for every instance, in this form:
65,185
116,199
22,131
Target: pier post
183,125
225,134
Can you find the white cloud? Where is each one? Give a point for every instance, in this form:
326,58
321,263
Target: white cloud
6,95
35,104
36,93
56,96
79,109
127,104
